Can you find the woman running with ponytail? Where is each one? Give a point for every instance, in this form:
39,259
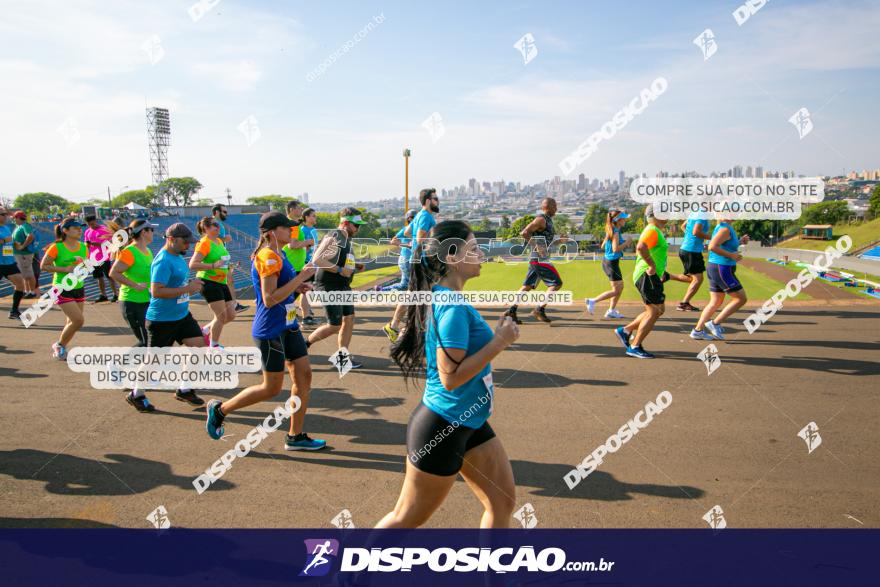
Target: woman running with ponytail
131,271
449,432
277,334
61,258
613,244
211,261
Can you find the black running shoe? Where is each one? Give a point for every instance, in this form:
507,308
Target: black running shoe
539,314
240,307
140,403
14,314
512,314
102,299
189,397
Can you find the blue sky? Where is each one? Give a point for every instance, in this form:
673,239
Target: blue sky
340,136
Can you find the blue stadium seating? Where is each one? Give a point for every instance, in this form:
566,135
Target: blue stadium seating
242,227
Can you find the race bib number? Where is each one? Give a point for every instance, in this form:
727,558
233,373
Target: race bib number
290,310
7,249
490,388
349,261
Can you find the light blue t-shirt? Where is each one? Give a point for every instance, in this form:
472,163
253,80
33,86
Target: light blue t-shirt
6,249
173,271
458,327
222,226
310,232
731,245
424,220
405,252
691,243
610,255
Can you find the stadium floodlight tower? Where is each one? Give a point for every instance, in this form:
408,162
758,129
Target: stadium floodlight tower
159,135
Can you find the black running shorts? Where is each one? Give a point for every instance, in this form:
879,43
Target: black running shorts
434,446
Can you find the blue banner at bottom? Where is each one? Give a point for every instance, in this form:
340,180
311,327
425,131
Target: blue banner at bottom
439,557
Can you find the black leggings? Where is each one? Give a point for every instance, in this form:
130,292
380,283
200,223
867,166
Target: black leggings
135,313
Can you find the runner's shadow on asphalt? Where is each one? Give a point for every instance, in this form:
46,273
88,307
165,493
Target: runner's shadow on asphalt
8,372
833,365
350,459
71,475
599,485
8,351
516,379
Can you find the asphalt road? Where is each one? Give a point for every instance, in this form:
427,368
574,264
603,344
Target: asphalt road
71,455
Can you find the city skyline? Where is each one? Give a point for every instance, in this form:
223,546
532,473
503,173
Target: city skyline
263,100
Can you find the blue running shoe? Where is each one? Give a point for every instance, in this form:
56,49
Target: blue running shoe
214,421
639,353
700,335
623,335
303,442
715,330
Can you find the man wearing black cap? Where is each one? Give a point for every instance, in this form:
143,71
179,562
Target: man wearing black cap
168,317
336,266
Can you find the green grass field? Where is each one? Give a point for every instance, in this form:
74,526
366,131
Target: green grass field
861,234
585,279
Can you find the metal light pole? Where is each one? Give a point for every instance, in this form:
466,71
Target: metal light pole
406,154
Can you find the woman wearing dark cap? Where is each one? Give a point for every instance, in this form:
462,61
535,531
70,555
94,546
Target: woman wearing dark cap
131,271
61,258
276,333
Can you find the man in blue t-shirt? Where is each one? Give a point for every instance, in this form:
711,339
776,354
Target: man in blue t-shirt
696,230
417,231
168,317
405,243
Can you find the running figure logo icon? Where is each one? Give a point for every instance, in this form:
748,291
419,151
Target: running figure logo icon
715,518
526,516
159,518
250,128
320,556
706,42
810,434
341,359
526,46
710,358
802,122
434,125
343,520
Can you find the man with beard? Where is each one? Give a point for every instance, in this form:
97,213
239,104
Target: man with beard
219,212
418,231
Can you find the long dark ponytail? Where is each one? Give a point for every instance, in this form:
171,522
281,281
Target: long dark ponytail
426,270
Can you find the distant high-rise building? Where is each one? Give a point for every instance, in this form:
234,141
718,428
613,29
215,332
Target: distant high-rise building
737,171
759,172
582,181
472,186
305,198
749,171
621,180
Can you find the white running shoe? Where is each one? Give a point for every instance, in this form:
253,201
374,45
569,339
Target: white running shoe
613,313
700,335
715,330
591,306
59,352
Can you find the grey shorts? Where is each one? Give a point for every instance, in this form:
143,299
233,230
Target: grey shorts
25,265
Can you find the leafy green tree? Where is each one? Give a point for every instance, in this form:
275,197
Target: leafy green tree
756,229
142,197
274,201
874,204
594,221
204,202
505,221
826,213
180,191
40,202
327,220
519,224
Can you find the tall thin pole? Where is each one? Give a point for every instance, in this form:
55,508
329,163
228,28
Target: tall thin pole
406,154
109,201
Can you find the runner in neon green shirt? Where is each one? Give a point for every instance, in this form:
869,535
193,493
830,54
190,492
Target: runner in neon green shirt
132,272
649,276
61,258
211,260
